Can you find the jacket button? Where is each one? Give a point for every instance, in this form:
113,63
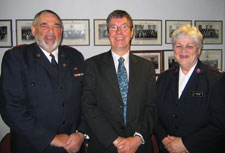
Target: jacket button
64,122
174,115
61,87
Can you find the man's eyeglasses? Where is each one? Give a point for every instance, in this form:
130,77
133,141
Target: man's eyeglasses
114,28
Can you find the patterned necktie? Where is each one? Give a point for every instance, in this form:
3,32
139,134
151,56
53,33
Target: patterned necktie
123,84
53,61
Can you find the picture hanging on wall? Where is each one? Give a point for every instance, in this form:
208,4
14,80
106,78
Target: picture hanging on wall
147,32
212,58
212,31
100,33
169,59
152,55
171,25
76,32
5,33
23,31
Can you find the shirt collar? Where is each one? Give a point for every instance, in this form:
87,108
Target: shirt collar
47,54
189,72
116,57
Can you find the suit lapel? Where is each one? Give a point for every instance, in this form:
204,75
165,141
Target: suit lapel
133,76
110,73
133,79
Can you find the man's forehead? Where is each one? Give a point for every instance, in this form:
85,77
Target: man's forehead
48,17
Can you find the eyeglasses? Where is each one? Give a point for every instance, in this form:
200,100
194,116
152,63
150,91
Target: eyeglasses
114,28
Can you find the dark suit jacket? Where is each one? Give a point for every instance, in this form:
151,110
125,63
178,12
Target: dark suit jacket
102,104
185,116
37,102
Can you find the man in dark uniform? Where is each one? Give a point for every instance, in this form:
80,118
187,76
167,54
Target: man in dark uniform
41,86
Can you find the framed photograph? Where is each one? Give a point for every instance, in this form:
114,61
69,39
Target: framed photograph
169,59
76,32
23,32
152,55
212,31
171,25
5,33
100,33
147,32
212,57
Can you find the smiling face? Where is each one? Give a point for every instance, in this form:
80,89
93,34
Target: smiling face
186,52
120,35
48,32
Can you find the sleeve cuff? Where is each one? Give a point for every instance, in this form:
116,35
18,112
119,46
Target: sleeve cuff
86,137
142,139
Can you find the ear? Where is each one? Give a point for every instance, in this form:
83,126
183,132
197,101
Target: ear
33,30
199,51
132,32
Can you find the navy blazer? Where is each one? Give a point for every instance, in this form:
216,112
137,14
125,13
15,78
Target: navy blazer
190,113
37,101
211,139
103,106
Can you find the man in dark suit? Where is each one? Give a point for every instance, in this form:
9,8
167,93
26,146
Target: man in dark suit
41,86
121,118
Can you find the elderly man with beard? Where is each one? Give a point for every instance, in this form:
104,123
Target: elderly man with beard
40,90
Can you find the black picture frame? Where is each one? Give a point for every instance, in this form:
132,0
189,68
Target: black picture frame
6,34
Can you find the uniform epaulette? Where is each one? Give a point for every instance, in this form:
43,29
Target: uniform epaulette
66,46
18,46
216,70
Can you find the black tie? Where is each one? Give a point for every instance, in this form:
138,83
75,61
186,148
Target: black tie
53,61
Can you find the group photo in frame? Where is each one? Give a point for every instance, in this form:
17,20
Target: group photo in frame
23,31
172,25
147,32
212,31
5,33
212,58
155,56
100,33
76,32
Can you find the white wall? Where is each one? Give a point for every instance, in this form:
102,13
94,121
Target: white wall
99,9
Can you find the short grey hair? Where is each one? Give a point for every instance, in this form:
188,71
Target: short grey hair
188,30
37,17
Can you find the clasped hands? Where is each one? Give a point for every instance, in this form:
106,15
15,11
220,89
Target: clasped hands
127,145
71,143
174,144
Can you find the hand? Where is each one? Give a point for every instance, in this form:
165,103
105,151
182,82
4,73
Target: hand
74,142
167,140
176,145
59,140
127,145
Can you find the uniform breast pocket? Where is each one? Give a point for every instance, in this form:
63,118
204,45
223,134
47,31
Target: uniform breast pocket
78,80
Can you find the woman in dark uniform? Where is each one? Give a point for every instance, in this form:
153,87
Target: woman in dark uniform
183,92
